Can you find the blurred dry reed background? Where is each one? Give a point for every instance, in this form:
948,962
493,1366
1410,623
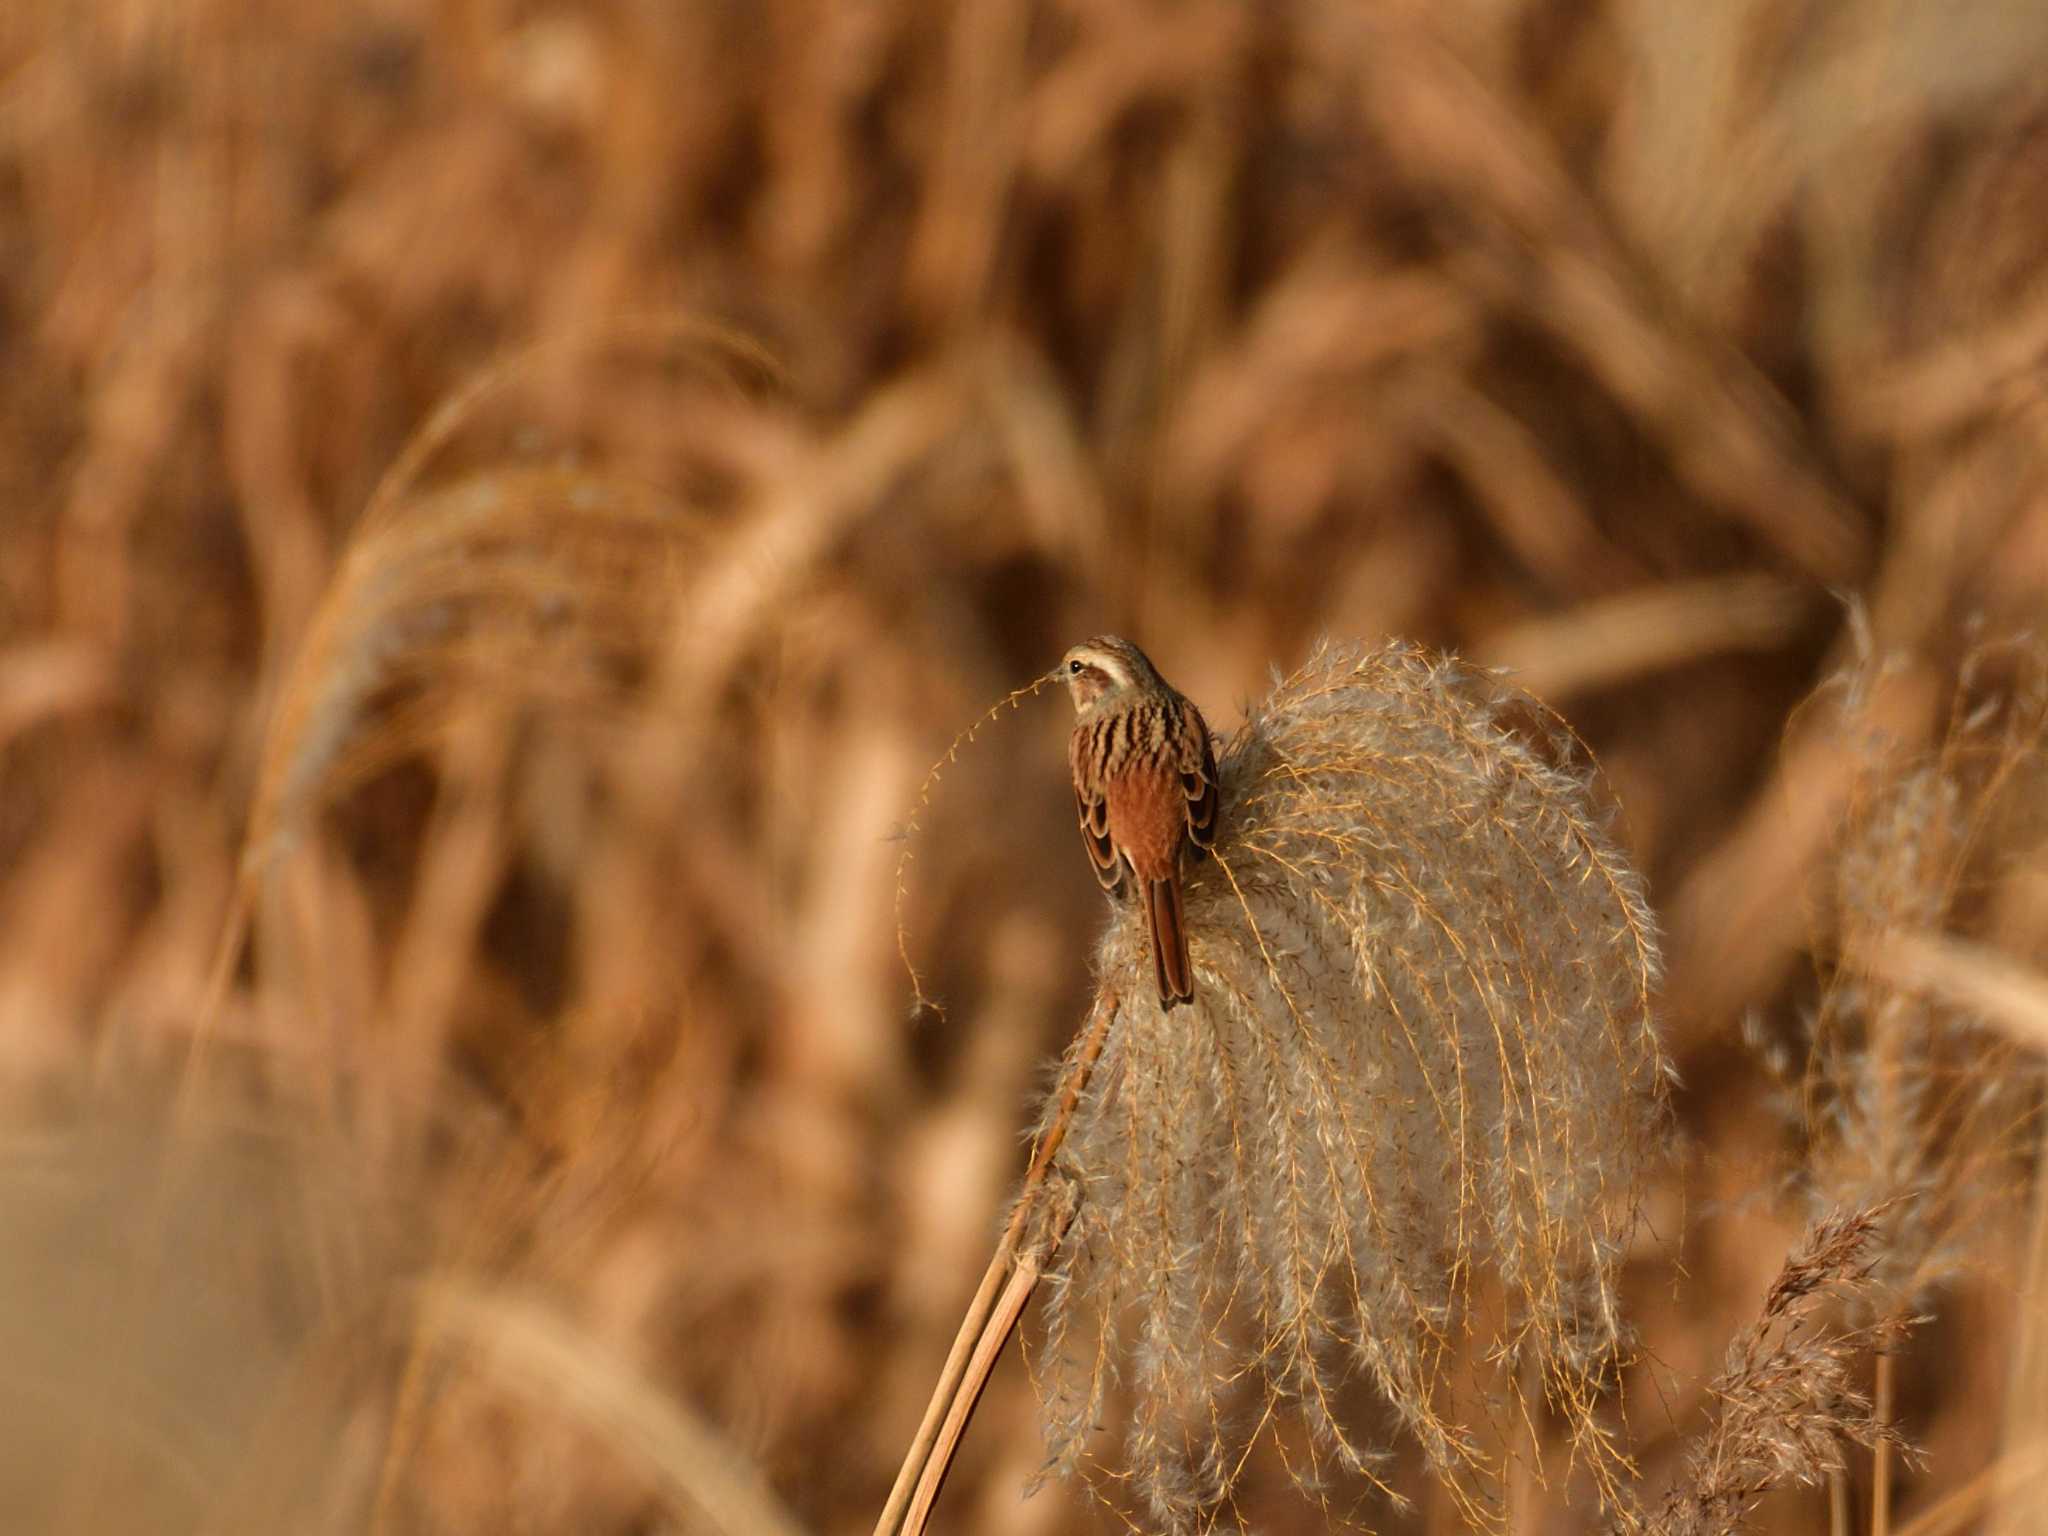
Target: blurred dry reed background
522,492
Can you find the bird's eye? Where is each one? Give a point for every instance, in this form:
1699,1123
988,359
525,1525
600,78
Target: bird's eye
1074,667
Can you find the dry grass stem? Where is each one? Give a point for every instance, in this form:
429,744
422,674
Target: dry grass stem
544,586
1037,1226
920,1002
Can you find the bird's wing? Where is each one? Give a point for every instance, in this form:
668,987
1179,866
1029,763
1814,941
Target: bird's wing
1091,804
1198,778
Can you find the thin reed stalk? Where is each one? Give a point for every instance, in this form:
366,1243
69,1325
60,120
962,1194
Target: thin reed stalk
998,1303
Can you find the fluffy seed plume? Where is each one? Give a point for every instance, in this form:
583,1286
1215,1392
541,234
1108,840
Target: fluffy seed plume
1418,1081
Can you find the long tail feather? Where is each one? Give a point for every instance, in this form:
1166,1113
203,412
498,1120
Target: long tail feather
1169,942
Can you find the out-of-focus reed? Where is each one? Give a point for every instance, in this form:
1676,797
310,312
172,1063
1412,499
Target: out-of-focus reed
1606,340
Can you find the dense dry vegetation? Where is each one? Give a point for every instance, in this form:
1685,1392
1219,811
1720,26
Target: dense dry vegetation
504,502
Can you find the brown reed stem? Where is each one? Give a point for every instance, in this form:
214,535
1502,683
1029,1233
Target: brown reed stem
1881,1460
988,1349
213,1001
2015,1512
992,1315
1886,1052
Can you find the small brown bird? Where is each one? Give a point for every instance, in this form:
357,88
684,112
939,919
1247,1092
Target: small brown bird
1145,785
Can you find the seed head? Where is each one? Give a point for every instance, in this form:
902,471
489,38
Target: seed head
1420,1052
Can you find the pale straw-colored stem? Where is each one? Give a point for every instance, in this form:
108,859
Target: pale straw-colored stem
2016,1509
992,1315
1881,1466
981,1363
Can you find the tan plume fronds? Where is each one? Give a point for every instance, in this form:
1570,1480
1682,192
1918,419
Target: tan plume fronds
1420,1059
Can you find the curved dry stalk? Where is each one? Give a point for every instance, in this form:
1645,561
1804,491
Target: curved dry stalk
919,1001
1616,639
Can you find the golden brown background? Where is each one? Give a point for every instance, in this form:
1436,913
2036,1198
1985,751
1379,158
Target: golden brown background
523,492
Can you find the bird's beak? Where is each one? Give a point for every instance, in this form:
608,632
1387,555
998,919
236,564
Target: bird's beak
1056,675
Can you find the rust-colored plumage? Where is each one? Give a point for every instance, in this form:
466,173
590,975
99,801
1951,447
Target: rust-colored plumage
1145,787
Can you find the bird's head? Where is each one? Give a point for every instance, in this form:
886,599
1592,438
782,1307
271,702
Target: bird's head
1104,668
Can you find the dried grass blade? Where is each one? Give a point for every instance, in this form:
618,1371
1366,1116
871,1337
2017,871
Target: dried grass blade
541,1353
1633,634
2018,1472
2010,997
